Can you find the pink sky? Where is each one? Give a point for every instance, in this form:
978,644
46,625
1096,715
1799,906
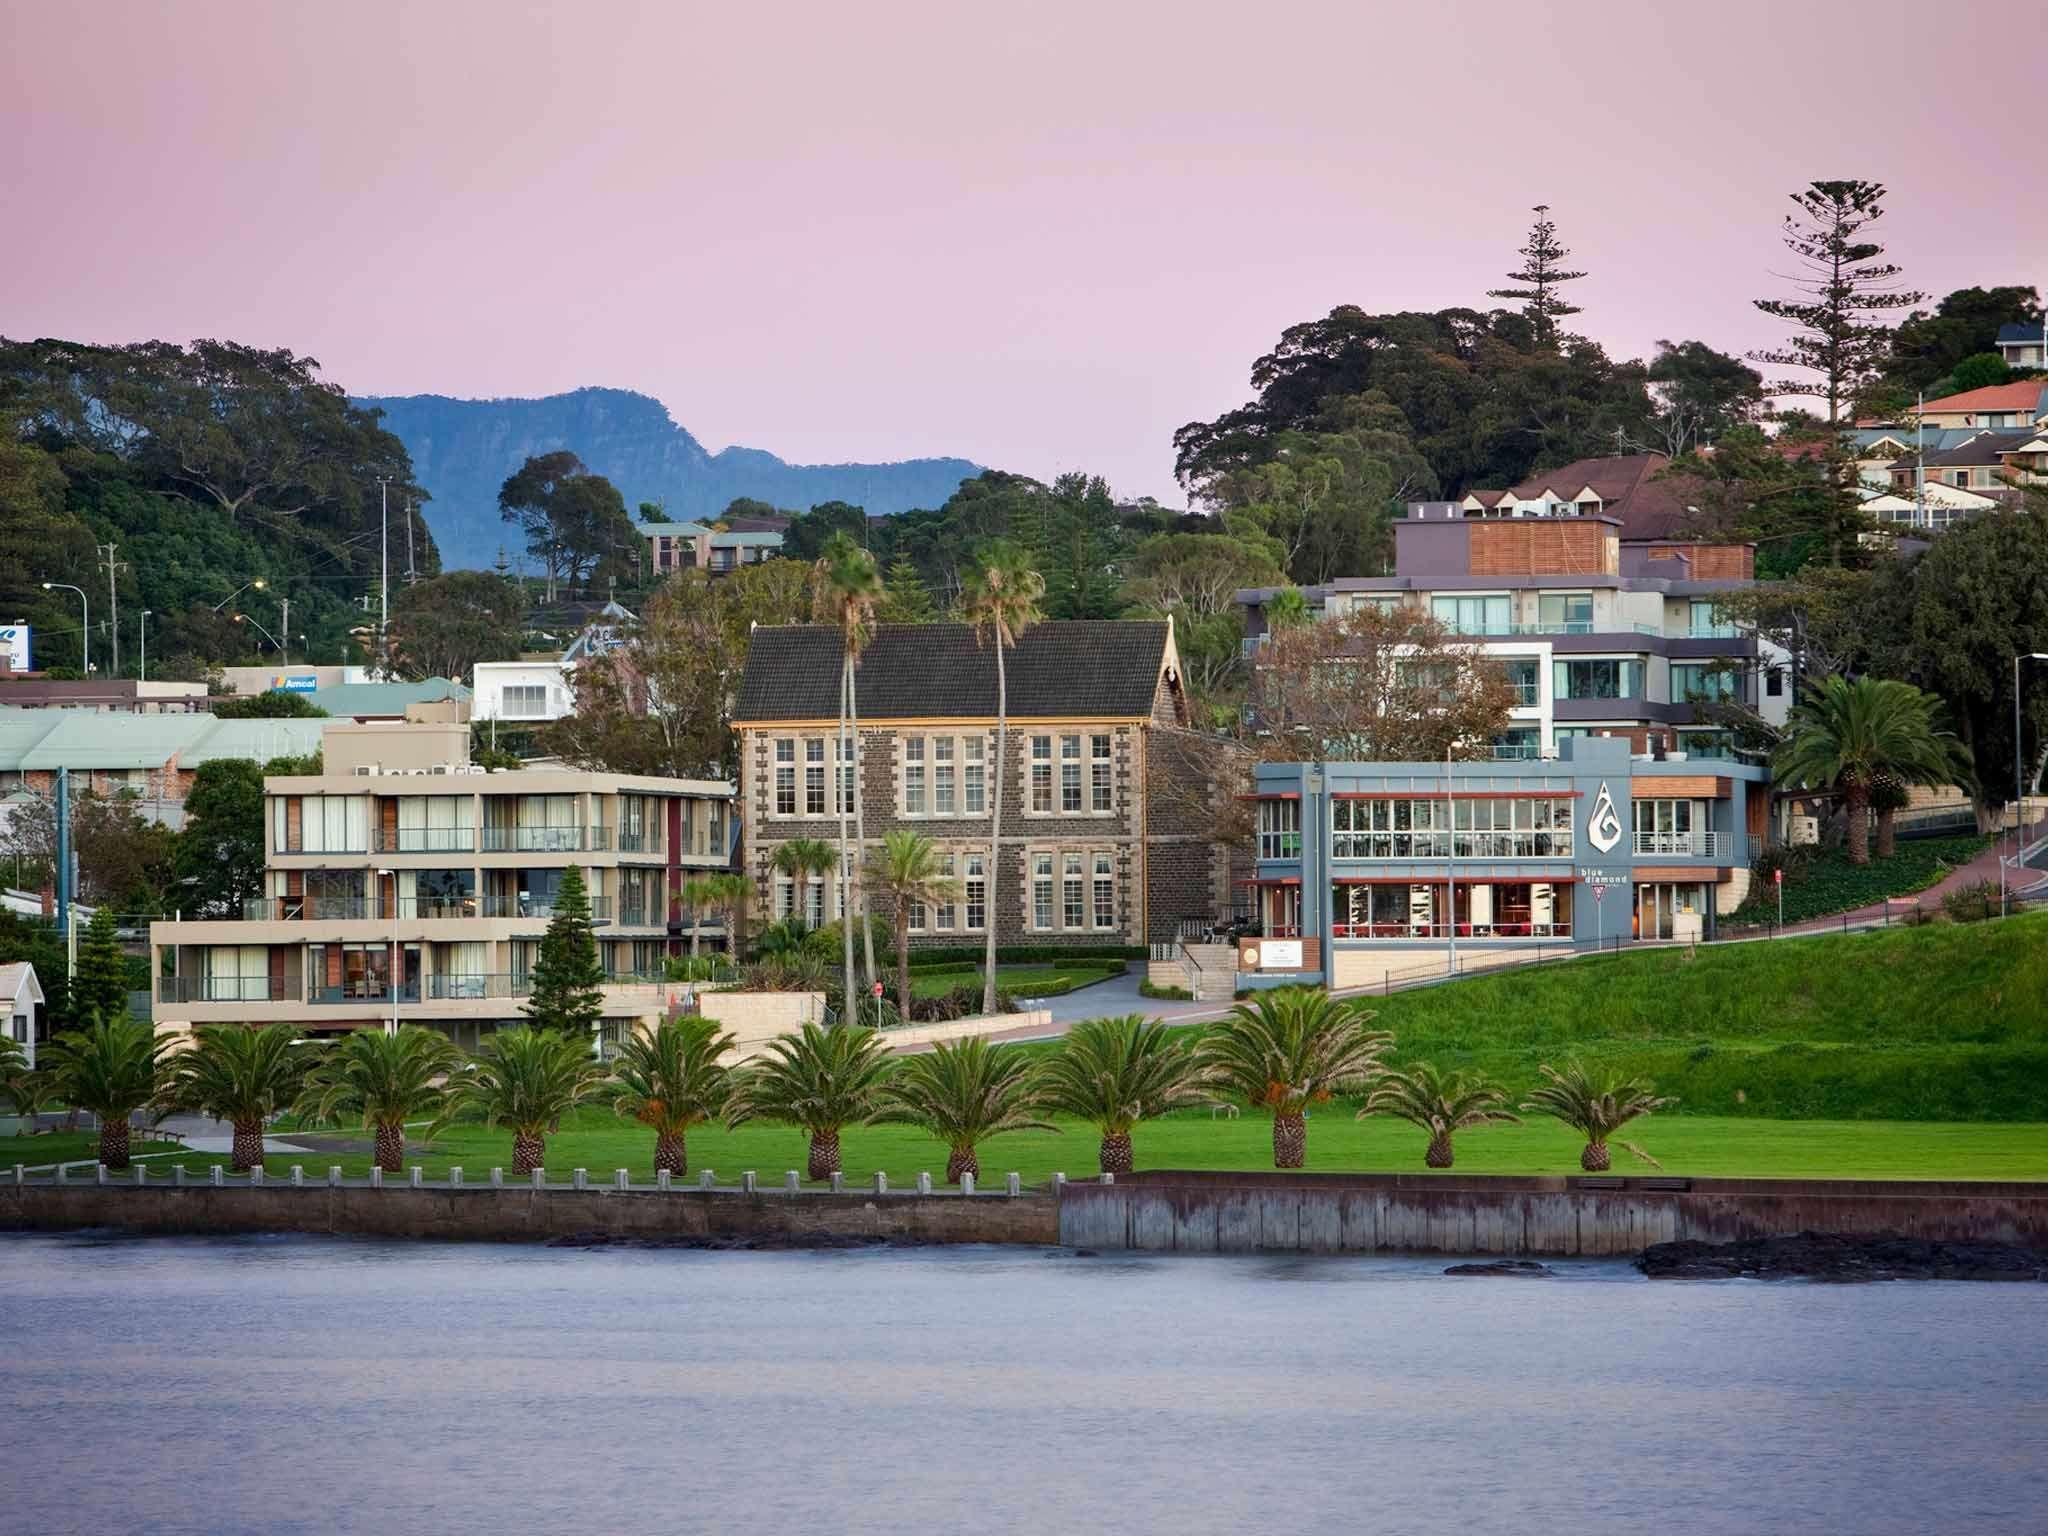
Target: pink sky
1038,236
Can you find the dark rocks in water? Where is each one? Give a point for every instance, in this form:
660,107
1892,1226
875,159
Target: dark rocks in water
1525,1269
1842,1259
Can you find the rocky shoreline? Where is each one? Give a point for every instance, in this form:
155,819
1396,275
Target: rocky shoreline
1843,1259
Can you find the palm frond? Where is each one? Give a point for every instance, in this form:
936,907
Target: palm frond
1114,1073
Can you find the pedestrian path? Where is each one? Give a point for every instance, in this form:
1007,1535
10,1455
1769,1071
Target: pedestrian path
1982,870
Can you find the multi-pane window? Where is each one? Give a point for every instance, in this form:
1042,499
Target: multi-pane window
944,912
1041,775
1499,828
1706,621
1565,613
1525,680
974,780
1670,826
913,776
1472,615
975,888
1105,891
1701,680
1041,890
944,797
1279,829
1597,678
1102,797
1070,774
525,701
1073,903
814,777
846,767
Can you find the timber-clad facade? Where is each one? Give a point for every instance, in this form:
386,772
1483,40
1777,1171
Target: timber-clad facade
1108,833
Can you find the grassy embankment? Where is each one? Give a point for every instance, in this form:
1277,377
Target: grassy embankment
1822,882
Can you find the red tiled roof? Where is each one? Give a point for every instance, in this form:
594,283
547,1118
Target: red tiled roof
2024,395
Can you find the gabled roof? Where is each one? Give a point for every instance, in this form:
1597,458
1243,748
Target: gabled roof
18,979
1078,669
2023,395
1978,452
2020,330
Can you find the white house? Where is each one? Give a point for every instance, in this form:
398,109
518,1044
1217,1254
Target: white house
520,692
21,995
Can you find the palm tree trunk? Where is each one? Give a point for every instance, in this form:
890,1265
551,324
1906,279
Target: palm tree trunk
696,923
670,1153
1596,1158
528,1152
850,1009
248,1146
114,1141
903,957
391,1147
1887,833
860,823
962,1160
1290,1140
994,888
1856,805
1439,1153
824,1153
1116,1152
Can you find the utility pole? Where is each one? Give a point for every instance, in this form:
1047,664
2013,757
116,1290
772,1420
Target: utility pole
411,574
284,634
142,672
384,577
114,568
1920,464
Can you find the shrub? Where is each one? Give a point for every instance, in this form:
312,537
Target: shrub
1972,903
1165,994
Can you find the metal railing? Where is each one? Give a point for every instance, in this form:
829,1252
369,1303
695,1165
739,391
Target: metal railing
1444,930
220,989
639,842
298,845
546,839
341,909
1698,845
541,908
474,985
363,992
425,840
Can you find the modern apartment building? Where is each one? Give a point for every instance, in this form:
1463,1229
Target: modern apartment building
1108,831
1601,634
1371,868
405,884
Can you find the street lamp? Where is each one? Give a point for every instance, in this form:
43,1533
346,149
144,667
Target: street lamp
84,634
243,618
142,675
259,584
2019,782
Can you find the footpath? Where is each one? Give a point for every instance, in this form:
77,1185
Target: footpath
1982,870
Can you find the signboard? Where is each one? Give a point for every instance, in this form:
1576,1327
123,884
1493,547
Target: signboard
14,647
1603,828
1280,954
1778,876
295,682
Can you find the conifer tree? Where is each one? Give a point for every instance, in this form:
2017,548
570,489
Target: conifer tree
905,597
1542,271
567,974
100,989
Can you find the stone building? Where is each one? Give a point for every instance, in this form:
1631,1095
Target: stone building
1111,807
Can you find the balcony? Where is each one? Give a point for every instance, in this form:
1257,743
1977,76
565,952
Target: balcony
639,842
477,985
541,908
1443,930
370,991
221,989
344,909
546,839
425,840
1686,845
1572,627
298,845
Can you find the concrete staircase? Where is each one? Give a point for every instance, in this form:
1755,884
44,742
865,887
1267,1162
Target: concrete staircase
1212,971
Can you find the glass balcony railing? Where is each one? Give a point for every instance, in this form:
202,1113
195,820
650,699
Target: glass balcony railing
368,991
546,839
218,989
541,908
425,840
476,985
639,842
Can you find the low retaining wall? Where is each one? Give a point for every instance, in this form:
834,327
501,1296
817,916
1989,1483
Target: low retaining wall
479,1213
1558,1217
910,1036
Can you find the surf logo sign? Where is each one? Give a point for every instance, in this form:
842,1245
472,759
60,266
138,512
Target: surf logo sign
1604,829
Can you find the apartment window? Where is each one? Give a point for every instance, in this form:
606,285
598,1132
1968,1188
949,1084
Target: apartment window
1073,904
1701,680
1279,829
1774,683
1070,775
1522,744
1100,785
1041,890
1565,613
944,912
913,776
785,776
975,888
1668,826
1704,623
1524,677
944,798
1597,678
525,701
974,776
1041,775
1105,891
1473,615
814,777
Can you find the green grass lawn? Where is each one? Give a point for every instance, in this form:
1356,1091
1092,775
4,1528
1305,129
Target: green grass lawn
1017,980
1826,882
1338,1143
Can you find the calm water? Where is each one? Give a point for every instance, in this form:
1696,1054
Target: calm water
294,1384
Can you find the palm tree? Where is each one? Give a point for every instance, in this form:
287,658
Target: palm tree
822,1080
800,858
694,896
963,1091
848,588
1597,1109
241,1075
1115,1072
111,1068
1287,609
671,1080
1862,738
728,895
524,1081
1441,1103
29,1093
906,867
1290,1048
1000,599
385,1080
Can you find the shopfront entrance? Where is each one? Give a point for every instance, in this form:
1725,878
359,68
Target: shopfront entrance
1671,911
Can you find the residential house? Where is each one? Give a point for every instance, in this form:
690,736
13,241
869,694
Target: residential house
2024,344
697,546
113,695
404,884
1601,634
2019,405
21,1004
529,692
1109,821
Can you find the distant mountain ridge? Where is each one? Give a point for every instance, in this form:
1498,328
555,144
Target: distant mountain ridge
462,450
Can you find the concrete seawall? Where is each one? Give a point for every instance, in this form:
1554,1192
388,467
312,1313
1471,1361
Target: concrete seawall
479,1213
1533,1217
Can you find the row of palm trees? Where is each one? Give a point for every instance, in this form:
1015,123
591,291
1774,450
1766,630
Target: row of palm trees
1283,1053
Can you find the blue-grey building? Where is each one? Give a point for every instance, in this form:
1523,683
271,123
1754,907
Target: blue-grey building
1369,868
